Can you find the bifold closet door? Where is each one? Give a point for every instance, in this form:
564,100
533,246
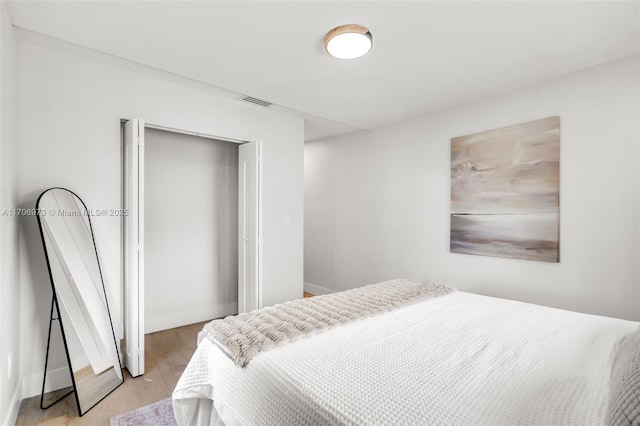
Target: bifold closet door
134,246
249,227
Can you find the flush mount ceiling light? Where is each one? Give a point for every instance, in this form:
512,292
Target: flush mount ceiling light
348,41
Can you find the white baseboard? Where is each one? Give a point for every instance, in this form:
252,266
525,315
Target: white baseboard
14,407
56,379
316,290
178,319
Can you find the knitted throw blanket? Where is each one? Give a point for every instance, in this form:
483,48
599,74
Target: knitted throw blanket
242,337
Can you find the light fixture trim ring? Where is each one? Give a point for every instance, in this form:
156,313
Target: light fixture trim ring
348,29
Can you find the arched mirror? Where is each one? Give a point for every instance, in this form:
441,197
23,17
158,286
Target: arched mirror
79,298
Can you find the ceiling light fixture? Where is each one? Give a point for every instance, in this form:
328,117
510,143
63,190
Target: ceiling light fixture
348,41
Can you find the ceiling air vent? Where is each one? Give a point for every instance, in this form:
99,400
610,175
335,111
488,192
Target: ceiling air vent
257,101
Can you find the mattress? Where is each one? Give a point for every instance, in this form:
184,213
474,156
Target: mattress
460,359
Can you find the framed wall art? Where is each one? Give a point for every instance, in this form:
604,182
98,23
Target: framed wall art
505,192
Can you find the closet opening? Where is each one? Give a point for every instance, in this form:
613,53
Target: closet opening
191,229
192,235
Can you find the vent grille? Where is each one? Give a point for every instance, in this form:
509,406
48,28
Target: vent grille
257,101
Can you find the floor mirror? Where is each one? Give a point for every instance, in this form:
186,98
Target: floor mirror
79,305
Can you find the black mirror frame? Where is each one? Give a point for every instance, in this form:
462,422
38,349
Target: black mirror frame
54,305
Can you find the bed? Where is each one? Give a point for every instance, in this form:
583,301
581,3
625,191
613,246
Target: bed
456,359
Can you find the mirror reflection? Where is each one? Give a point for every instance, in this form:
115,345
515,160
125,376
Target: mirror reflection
80,296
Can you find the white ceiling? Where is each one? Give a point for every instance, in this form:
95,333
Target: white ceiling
427,55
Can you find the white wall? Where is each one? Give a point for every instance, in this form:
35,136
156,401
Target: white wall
9,285
377,203
191,229
70,111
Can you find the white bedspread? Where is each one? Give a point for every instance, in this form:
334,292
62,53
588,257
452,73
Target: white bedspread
460,359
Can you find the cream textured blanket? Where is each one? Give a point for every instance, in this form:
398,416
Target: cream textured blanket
242,337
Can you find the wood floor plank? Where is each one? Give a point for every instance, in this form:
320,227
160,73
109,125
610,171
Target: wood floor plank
166,356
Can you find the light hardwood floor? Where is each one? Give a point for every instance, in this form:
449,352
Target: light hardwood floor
167,355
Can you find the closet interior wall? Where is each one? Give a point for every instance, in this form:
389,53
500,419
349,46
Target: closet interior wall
191,229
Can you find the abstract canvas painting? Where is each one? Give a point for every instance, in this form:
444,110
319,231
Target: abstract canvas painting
505,192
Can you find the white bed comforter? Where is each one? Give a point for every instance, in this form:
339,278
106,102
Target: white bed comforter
460,359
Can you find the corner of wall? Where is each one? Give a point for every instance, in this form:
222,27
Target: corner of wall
316,290
10,380
13,406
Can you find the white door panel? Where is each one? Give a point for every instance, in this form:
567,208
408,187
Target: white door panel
133,246
249,227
